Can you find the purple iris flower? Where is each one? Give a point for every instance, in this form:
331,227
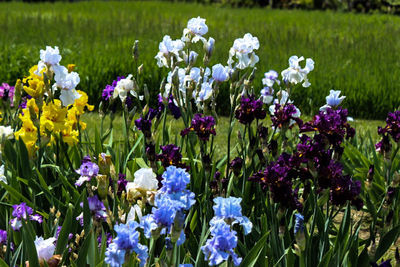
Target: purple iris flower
109,89
23,212
87,171
250,108
171,155
202,126
3,237
7,93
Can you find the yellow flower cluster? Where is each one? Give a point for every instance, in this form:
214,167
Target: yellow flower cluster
35,83
28,131
54,120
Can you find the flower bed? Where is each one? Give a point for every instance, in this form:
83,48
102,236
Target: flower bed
284,195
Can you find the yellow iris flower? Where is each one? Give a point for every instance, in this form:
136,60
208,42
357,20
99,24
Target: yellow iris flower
70,136
53,117
72,119
35,88
81,103
28,133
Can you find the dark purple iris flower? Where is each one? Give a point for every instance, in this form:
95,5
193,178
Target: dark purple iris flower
392,129
202,126
285,116
332,124
250,109
171,155
277,178
176,112
392,126
236,165
344,189
144,122
122,182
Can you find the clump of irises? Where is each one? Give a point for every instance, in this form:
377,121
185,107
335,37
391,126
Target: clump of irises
203,127
390,131
220,247
250,109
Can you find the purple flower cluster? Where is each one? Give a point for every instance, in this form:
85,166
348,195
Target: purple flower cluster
392,129
7,93
109,90
285,116
250,108
321,153
202,126
24,100
23,212
144,122
3,237
332,124
329,170
277,177
97,209
171,155
87,171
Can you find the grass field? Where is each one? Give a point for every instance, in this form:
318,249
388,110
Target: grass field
364,129
358,54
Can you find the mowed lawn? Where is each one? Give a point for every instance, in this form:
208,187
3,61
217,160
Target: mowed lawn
358,54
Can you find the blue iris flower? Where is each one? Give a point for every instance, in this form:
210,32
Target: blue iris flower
229,208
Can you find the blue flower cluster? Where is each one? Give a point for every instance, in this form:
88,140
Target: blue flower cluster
223,239
230,209
170,202
127,240
221,245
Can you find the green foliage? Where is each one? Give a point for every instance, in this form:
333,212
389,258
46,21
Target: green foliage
357,54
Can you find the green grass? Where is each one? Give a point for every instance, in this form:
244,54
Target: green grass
364,129
358,54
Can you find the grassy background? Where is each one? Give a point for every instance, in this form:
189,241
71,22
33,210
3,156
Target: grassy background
364,129
358,54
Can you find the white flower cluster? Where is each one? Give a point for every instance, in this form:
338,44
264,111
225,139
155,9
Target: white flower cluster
199,82
64,80
45,247
295,74
169,51
243,50
67,82
124,87
6,132
2,176
333,100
